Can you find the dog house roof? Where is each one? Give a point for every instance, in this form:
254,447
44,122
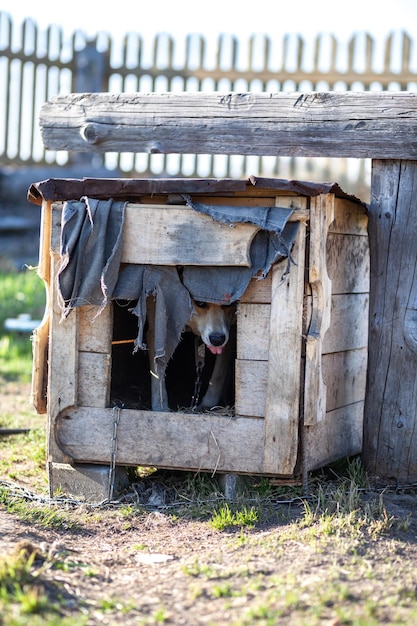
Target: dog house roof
56,189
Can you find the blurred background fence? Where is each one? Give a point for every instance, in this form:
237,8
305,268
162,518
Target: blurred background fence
35,65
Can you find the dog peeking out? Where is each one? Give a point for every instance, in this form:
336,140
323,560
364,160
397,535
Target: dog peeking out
212,323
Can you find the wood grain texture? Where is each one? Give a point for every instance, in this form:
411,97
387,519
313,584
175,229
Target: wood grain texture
62,363
390,433
253,331
40,337
349,323
251,387
177,440
94,378
338,435
282,416
95,329
367,124
178,235
321,289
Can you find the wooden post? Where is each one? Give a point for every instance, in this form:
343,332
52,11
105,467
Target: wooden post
390,434
91,75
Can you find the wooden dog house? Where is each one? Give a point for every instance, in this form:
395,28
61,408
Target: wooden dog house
301,347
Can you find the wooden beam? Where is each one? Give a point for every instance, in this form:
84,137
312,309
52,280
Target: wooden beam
390,434
330,124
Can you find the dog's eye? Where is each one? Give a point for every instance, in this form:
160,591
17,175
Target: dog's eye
201,305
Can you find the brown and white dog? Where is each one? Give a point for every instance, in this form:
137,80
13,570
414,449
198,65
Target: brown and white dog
211,322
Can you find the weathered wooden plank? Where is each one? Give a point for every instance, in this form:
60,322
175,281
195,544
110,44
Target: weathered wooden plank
40,338
94,378
366,124
95,329
348,263
56,227
168,235
337,436
253,331
348,328
321,286
190,441
344,374
258,290
284,364
62,363
349,218
251,387
390,433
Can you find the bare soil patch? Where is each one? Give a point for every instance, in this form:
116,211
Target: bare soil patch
132,565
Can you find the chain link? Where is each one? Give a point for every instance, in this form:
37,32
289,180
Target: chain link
112,474
200,355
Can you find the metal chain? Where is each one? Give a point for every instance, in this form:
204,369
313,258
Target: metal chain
112,473
200,355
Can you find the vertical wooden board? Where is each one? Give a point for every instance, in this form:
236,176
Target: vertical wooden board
321,216
390,432
349,218
56,227
348,263
94,377
95,329
253,331
348,329
344,374
338,435
40,337
62,363
251,382
284,365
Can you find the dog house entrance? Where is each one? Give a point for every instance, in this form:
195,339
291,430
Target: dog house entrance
130,372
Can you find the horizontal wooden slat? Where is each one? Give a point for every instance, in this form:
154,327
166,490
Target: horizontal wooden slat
349,323
337,436
95,329
344,374
367,124
348,263
168,235
349,218
258,290
253,331
196,441
94,371
251,387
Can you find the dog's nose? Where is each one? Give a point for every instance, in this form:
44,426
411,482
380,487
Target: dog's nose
217,339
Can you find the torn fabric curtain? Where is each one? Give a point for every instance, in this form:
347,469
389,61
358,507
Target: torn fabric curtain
90,248
173,306
271,244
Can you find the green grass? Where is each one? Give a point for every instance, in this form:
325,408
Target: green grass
24,596
20,292
225,517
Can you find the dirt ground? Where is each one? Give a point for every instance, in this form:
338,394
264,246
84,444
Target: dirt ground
114,565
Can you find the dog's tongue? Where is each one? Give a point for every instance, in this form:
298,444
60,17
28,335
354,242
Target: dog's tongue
215,349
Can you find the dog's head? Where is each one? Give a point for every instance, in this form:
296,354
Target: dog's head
212,323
